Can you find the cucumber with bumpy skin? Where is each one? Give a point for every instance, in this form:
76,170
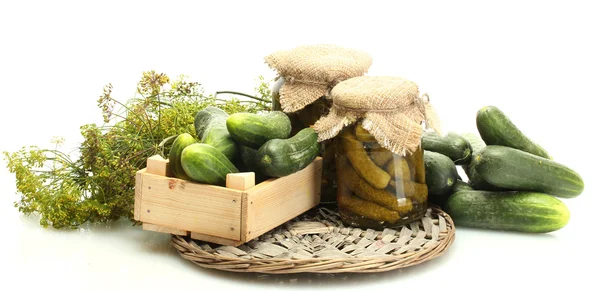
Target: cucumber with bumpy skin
452,145
205,164
181,142
211,129
475,180
282,157
474,140
255,129
496,128
247,161
511,211
514,169
440,174
461,186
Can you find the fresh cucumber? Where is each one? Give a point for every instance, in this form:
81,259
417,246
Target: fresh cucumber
211,128
247,161
510,211
181,142
282,157
496,128
461,186
514,169
440,174
255,129
205,164
477,144
452,145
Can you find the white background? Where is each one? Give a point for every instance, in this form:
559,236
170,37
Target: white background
538,61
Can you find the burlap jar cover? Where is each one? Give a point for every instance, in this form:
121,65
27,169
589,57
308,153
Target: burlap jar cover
311,71
391,109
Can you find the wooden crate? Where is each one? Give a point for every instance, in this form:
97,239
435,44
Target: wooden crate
230,215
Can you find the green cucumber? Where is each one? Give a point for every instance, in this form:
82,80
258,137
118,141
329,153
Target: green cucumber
496,128
205,164
211,128
254,129
514,169
248,163
203,118
510,211
248,158
440,175
478,183
475,141
477,144
461,186
452,145
282,157
181,142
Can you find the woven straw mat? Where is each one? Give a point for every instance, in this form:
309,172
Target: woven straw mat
317,242
310,71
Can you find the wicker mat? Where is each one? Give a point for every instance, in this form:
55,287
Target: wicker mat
318,242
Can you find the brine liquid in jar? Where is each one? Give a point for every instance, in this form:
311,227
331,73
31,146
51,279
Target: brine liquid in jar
377,188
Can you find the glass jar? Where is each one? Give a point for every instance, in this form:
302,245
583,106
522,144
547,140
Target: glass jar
375,187
307,117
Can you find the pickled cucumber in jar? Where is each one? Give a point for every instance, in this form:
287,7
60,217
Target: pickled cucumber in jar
376,187
377,123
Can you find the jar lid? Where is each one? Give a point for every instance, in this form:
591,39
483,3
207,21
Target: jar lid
391,110
311,71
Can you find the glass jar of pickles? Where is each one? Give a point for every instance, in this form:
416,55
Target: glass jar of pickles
376,187
377,124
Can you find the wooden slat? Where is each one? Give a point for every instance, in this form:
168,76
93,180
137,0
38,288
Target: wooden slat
244,217
137,206
276,201
163,229
157,165
240,181
215,239
193,207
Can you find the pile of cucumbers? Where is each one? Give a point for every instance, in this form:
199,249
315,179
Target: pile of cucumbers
241,142
513,183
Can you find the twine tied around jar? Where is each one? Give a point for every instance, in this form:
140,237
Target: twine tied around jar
391,110
291,81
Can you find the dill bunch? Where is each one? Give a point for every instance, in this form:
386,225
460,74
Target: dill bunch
97,185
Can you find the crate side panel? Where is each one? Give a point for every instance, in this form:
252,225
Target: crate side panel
274,202
191,206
